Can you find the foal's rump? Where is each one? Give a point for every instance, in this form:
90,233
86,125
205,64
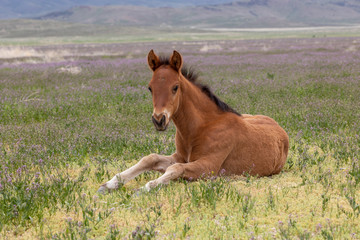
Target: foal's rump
261,149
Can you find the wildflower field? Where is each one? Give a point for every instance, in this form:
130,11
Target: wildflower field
72,116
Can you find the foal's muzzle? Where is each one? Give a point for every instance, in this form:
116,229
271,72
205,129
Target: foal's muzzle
160,122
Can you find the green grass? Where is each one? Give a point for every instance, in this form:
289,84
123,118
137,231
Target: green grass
48,32
63,134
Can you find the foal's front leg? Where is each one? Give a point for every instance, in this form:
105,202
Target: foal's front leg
151,162
189,171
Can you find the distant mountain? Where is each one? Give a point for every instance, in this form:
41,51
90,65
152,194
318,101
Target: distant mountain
33,8
240,14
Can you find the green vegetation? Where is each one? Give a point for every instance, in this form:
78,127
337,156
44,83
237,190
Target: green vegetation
67,126
48,32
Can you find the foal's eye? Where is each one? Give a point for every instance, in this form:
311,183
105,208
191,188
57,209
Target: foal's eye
150,89
175,88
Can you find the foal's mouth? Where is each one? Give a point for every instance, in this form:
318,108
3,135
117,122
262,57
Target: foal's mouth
161,129
160,125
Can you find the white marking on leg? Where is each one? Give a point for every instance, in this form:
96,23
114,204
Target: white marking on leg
173,172
114,182
148,186
150,162
127,175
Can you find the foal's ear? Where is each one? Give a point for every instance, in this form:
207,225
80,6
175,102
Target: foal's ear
153,60
176,61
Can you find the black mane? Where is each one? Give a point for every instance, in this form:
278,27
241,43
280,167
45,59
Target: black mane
192,77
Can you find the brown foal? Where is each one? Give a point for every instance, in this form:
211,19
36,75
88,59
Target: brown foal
210,136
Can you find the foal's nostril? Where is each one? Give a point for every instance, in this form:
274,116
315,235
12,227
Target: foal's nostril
159,123
162,121
154,120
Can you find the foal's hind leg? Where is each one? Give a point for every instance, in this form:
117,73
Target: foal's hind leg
151,162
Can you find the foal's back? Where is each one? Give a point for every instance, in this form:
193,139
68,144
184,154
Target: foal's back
260,147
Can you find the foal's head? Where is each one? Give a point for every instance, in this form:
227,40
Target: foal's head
165,88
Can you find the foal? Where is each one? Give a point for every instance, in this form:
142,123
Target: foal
210,136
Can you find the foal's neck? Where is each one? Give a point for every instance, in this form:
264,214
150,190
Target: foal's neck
194,111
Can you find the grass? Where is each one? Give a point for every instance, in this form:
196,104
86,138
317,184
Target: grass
26,32
64,132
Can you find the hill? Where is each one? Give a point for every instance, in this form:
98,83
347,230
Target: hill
253,13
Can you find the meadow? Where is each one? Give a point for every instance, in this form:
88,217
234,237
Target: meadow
72,116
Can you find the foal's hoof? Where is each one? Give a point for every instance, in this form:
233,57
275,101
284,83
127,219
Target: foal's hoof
103,190
144,189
